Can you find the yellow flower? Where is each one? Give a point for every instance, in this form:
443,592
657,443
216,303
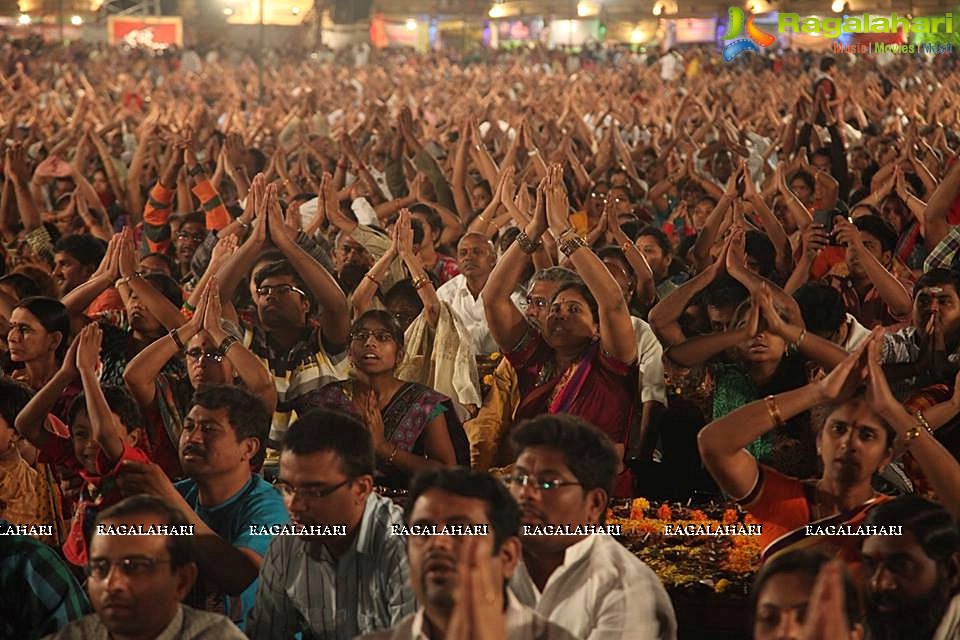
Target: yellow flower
488,380
495,356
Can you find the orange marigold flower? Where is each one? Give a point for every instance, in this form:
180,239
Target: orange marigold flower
698,516
664,512
730,516
638,507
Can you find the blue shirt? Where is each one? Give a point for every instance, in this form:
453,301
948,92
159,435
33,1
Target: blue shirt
257,503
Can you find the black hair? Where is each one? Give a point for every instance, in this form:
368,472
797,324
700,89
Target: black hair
86,249
506,238
282,268
14,396
350,276
247,413
725,293
22,284
167,287
617,254
433,218
587,451
194,217
418,231
403,290
630,225
930,523
383,317
180,547
821,307
758,246
662,239
52,316
259,159
822,151
878,228
167,260
810,563
501,508
805,176
827,63
584,291
936,278
119,401
326,430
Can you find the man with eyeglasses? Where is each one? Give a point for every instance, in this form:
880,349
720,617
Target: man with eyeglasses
303,322
461,498
137,583
590,585
332,587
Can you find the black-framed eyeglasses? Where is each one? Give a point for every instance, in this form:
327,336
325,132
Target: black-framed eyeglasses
130,566
537,301
524,480
307,493
196,353
279,289
362,335
196,237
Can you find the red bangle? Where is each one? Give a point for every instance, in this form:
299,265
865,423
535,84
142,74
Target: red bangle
373,280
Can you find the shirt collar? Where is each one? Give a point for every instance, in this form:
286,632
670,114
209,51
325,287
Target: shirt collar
174,629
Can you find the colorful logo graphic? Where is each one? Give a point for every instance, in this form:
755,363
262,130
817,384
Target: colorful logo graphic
735,28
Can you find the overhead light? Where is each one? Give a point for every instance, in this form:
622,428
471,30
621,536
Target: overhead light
658,8
838,6
76,21
411,24
497,11
23,19
587,8
636,36
295,11
228,11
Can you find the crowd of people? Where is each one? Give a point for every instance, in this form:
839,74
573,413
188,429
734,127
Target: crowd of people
503,292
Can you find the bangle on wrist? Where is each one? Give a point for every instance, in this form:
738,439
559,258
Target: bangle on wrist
421,282
794,347
569,246
393,454
228,342
774,410
526,244
910,434
176,338
923,421
373,280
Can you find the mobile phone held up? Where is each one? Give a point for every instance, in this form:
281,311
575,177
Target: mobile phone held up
825,219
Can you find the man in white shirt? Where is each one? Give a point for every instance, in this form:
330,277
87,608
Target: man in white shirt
476,258
484,509
588,584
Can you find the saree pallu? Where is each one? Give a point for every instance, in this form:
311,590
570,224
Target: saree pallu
596,388
405,419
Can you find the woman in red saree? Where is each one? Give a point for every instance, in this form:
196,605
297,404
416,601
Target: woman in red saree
585,360
856,440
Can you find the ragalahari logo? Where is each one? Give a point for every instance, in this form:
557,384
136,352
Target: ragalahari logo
757,36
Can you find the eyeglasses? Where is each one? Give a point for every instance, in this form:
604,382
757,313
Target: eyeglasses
279,289
537,301
130,566
196,237
363,335
307,493
523,480
196,353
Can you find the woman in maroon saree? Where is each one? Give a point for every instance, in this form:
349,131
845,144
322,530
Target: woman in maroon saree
585,361
413,427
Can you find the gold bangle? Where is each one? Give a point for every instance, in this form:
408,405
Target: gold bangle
911,433
482,219
421,282
774,410
393,453
923,421
627,245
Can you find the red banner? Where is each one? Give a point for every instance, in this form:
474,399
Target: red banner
154,32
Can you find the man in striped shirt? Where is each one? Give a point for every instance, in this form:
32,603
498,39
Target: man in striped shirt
336,585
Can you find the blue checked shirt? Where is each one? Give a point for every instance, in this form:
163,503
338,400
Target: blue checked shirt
39,593
366,589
